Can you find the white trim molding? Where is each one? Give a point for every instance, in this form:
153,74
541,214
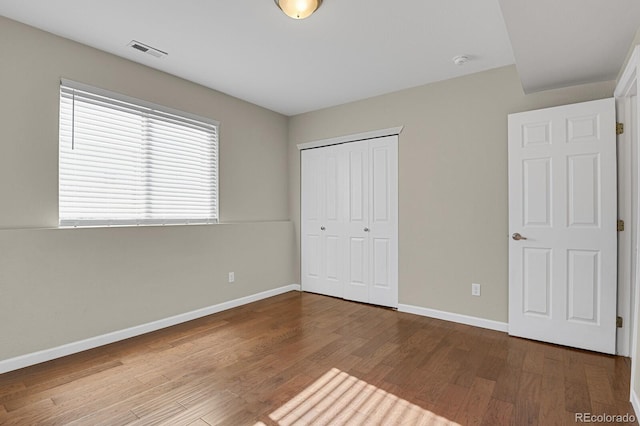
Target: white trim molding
627,163
115,336
392,131
629,75
635,402
626,88
459,318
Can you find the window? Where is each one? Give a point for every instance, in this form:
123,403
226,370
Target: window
128,162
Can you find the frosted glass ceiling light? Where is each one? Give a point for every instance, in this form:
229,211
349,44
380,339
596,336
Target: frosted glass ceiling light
298,9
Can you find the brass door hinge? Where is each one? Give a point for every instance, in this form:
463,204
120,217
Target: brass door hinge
619,128
620,225
619,322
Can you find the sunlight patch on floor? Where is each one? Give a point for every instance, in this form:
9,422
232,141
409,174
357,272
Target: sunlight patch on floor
338,398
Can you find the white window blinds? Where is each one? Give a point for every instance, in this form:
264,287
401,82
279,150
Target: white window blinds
128,162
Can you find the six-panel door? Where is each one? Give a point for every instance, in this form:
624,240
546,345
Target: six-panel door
562,225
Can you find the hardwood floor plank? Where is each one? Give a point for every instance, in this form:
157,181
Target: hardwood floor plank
368,361
450,401
7,389
534,359
552,400
190,415
440,375
199,422
507,384
35,414
467,370
499,413
266,361
527,413
490,368
600,389
577,399
620,381
153,414
90,402
527,404
475,406
234,412
516,354
114,415
42,389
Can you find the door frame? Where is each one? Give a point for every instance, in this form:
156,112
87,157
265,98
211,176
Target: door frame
628,144
391,131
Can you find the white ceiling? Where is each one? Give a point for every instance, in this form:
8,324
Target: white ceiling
349,49
559,43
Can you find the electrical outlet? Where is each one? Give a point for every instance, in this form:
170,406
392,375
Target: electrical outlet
232,277
475,289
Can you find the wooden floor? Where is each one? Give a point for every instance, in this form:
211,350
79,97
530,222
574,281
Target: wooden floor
306,359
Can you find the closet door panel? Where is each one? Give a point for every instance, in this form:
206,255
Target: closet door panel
333,222
356,188
383,223
312,213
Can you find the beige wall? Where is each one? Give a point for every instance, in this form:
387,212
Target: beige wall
59,286
453,180
64,285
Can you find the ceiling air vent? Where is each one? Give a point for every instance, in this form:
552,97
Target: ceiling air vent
147,49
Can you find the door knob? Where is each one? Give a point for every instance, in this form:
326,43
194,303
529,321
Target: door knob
366,229
322,228
518,237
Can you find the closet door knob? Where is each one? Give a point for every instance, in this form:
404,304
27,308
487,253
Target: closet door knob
366,229
322,228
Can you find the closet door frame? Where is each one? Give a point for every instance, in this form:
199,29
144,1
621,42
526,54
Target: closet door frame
393,280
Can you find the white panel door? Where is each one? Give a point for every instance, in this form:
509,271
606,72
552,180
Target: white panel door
332,227
383,221
313,212
356,193
350,221
562,225
322,225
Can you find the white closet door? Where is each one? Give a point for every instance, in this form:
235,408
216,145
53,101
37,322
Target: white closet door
356,192
322,228
383,221
350,221
333,233
312,214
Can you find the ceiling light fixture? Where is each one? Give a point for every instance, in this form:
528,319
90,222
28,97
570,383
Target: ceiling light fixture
298,9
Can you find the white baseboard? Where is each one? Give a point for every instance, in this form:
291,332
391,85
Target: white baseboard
459,318
635,403
93,342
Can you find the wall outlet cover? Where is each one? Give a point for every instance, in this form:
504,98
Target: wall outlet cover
475,289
